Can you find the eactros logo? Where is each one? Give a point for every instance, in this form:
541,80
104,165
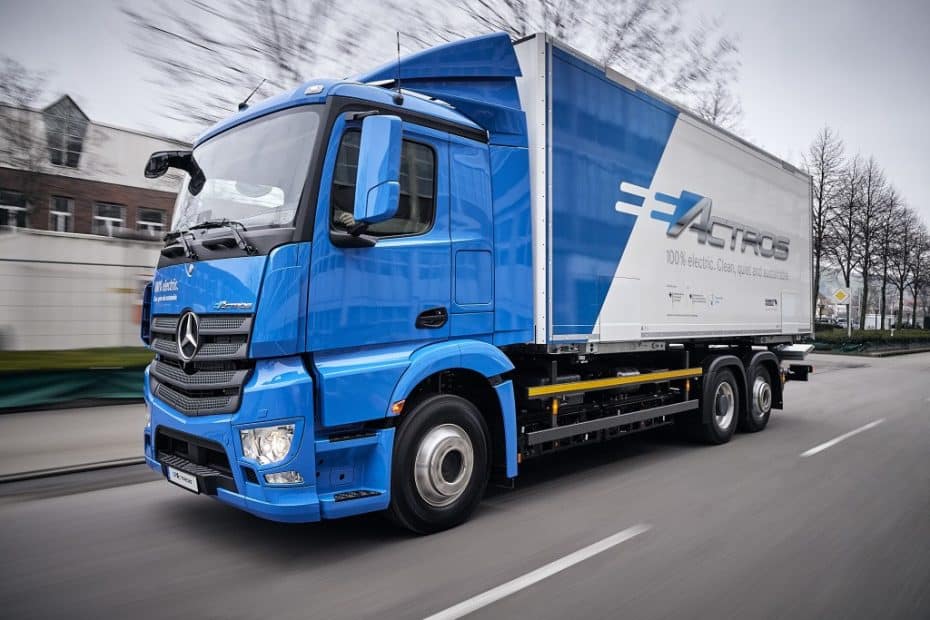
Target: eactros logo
694,212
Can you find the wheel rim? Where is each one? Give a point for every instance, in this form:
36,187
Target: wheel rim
724,405
761,396
444,464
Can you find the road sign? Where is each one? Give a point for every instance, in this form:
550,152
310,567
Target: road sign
840,296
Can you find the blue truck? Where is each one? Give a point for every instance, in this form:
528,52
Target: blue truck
383,292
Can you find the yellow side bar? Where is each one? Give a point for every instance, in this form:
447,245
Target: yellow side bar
603,384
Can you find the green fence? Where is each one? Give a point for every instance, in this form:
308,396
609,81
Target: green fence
31,379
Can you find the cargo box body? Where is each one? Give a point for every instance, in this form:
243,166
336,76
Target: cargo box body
650,224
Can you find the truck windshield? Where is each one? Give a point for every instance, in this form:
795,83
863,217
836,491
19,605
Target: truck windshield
253,173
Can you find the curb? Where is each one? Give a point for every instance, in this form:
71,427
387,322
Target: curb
70,469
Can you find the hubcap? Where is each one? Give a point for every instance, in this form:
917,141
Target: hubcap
444,463
761,396
724,405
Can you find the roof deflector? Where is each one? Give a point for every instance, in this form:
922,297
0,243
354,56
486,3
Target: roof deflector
476,76
486,56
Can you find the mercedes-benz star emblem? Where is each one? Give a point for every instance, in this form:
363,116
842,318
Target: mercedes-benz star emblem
188,336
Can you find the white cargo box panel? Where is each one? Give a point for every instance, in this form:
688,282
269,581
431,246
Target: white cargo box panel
651,224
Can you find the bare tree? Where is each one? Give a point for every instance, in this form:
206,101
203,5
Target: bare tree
22,144
824,162
720,107
649,40
874,187
843,229
925,298
210,53
889,228
902,257
919,263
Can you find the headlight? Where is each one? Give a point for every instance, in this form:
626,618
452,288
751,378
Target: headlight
270,444
148,417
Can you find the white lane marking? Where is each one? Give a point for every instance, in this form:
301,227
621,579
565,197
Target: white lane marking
504,590
843,437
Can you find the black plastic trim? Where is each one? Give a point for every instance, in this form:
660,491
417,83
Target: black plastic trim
342,103
434,318
212,473
600,424
264,240
208,479
345,496
799,372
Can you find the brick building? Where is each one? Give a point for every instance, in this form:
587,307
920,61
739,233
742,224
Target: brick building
63,172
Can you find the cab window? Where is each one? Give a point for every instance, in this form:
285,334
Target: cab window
417,202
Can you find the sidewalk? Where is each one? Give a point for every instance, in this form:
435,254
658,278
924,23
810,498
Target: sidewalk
66,437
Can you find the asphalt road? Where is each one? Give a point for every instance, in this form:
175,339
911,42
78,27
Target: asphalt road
751,529
40,440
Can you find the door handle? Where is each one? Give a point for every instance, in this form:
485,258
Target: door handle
433,318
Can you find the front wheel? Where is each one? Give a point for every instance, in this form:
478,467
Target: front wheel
440,466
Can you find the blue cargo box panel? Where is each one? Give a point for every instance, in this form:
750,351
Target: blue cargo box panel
624,184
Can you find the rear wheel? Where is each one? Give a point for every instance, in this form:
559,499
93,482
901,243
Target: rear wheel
440,466
720,408
757,415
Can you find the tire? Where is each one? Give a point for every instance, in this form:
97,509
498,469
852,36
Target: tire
720,407
756,417
440,467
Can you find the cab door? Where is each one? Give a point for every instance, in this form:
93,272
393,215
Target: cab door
398,290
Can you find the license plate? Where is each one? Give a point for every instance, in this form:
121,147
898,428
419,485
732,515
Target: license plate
183,479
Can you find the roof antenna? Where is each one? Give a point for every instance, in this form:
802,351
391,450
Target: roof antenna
245,104
398,97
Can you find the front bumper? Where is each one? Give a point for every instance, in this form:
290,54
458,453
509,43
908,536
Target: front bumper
341,476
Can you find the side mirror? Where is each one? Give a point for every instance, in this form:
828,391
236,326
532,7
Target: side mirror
377,184
158,164
160,161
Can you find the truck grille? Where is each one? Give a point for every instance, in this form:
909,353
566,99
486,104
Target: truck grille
195,404
212,381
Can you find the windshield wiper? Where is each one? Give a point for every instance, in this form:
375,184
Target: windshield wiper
179,235
234,227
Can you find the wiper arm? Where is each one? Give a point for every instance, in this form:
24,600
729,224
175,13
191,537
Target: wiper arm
180,235
234,227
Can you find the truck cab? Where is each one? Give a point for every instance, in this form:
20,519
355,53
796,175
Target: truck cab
364,237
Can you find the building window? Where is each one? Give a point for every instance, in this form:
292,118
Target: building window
150,222
416,204
65,128
108,218
12,209
61,214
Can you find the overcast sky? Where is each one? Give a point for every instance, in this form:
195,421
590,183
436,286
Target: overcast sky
860,66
